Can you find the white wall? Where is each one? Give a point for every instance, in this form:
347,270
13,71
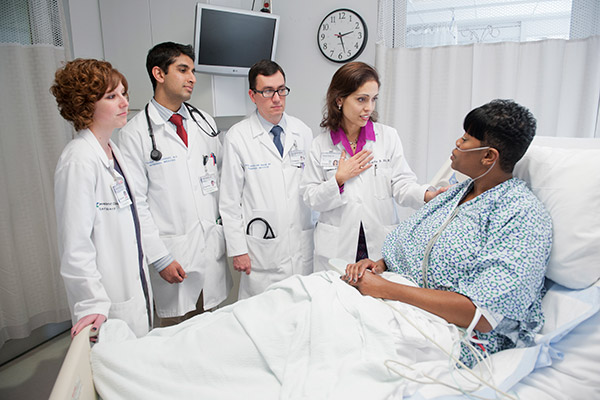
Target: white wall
122,32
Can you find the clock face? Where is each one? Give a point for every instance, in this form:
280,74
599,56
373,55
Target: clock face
342,35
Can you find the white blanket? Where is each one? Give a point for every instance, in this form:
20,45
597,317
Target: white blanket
309,337
305,338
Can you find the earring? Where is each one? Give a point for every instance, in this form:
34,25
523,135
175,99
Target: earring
339,106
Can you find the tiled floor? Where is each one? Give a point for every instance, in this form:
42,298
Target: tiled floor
32,375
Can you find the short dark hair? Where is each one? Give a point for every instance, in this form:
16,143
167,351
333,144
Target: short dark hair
346,80
164,54
504,125
80,84
263,67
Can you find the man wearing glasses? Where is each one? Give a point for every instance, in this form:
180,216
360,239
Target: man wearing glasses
268,229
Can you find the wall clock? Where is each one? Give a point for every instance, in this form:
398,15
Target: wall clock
342,35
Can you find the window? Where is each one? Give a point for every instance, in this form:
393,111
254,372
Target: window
29,22
422,23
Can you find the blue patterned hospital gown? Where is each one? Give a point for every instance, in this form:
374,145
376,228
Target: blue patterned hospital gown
494,251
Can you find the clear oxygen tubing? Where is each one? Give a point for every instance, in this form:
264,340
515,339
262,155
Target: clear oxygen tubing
452,359
475,149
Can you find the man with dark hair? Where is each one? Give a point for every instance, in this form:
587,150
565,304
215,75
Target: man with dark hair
268,229
174,156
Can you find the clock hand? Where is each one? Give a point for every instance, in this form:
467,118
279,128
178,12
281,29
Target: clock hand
341,40
347,33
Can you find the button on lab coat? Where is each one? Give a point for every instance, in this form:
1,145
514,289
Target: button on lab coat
258,182
176,216
368,197
96,238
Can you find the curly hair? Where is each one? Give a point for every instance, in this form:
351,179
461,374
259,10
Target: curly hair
504,125
80,84
346,80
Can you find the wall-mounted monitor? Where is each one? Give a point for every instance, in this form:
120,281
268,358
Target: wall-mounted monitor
229,41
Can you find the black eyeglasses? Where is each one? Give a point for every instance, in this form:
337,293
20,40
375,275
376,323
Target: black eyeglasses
268,93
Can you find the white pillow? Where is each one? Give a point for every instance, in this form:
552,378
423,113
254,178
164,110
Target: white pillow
567,181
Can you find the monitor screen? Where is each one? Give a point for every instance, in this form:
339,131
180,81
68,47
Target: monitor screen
229,41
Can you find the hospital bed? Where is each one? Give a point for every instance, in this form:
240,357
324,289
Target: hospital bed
564,174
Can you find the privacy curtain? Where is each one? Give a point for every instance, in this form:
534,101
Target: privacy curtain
32,136
426,92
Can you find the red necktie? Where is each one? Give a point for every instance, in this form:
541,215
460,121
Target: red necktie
178,121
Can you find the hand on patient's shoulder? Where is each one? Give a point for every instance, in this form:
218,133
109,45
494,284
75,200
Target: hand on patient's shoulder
430,194
174,273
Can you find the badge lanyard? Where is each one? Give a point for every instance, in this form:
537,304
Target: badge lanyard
297,156
208,181
118,187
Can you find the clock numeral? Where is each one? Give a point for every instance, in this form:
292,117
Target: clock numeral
332,20
360,35
356,45
357,26
324,46
325,27
342,15
349,53
340,56
331,53
322,36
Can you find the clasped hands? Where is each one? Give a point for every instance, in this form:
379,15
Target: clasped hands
365,275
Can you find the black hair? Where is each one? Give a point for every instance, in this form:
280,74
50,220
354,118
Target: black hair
504,125
164,54
263,67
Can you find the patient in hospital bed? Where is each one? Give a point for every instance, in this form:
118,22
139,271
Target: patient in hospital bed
471,263
486,241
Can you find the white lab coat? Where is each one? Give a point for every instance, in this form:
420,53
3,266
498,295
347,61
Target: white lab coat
176,216
258,182
369,197
96,238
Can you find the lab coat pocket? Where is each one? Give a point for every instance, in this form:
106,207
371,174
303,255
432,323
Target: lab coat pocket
215,241
133,312
265,254
307,250
326,240
382,183
187,248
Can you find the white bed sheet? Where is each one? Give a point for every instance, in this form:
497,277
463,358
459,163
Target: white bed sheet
307,338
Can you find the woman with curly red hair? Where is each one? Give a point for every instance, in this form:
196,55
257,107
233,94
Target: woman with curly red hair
102,263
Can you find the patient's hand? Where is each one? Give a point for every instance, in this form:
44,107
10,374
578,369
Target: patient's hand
242,263
93,319
372,284
355,271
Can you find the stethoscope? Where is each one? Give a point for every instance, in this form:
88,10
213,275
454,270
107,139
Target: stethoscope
155,154
268,230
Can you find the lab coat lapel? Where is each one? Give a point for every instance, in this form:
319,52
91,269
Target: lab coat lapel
89,137
166,127
263,137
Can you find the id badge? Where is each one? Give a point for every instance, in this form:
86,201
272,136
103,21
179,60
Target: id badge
297,157
209,183
330,159
120,192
